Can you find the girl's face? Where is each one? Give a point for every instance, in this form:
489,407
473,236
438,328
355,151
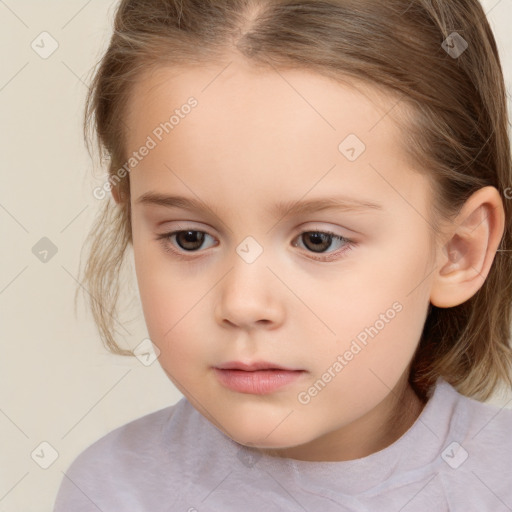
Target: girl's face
301,240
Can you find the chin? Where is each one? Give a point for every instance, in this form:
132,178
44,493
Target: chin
266,436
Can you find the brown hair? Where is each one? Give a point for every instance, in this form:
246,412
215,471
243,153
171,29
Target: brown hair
457,133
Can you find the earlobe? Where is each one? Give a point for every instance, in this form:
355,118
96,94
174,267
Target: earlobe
465,259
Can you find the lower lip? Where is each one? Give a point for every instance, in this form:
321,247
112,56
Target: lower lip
259,382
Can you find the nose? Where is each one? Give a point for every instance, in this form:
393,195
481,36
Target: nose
249,297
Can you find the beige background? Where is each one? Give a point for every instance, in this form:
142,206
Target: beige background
57,383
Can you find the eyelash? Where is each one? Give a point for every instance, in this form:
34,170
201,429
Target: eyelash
185,255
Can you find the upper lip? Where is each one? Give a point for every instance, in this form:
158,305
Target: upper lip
251,367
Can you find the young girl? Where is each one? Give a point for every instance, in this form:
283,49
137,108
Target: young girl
318,197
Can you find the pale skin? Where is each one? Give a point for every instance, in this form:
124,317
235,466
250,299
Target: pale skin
254,141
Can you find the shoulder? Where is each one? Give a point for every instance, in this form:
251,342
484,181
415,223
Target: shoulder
483,420
133,438
120,461
478,451
470,413
474,422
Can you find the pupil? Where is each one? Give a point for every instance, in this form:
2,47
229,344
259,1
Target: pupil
190,240
320,241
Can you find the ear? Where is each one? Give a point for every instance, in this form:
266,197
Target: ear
464,260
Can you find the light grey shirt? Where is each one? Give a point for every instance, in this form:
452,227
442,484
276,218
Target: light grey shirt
457,456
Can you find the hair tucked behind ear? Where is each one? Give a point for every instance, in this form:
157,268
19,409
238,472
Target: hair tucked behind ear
457,133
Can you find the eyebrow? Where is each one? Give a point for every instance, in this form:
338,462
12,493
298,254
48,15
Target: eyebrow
281,209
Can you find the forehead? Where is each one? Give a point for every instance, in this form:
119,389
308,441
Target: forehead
263,128
294,99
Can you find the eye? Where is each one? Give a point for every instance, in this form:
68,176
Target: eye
319,242
189,240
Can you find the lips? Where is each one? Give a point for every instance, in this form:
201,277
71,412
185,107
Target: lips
256,378
250,367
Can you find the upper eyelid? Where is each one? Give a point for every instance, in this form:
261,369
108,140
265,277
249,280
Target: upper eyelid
187,227
328,232
299,232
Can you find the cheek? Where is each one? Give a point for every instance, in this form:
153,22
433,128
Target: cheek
378,317
171,320
172,308
377,280
166,304
372,362
165,299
